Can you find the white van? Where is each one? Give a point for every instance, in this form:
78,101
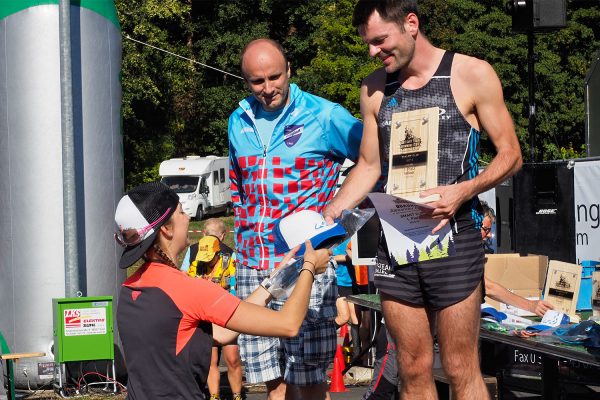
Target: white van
202,184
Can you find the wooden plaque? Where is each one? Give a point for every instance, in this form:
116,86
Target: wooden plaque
413,153
596,293
562,286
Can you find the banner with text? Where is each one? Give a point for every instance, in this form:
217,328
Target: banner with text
587,210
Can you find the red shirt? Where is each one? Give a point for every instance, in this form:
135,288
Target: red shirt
165,324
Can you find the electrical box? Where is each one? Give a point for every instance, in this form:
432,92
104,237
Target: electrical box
83,329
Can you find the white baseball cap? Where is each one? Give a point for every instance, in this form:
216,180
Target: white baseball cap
301,226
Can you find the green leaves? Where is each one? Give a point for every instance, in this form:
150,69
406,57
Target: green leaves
173,107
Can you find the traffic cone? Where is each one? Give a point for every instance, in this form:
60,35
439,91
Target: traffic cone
346,341
337,380
344,330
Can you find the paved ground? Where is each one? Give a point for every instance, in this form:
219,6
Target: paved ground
356,382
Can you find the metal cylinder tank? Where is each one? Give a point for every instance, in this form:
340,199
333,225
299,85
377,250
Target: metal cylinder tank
32,268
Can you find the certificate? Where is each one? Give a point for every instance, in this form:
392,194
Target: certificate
407,227
413,153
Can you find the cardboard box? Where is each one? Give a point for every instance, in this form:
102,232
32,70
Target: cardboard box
562,286
521,274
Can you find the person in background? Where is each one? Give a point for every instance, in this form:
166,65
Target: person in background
345,310
217,260
496,291
487,235
363,284
349,313
212,259
286,147
167,321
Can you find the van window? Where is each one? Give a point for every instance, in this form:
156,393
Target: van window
215,178
222,173
181,184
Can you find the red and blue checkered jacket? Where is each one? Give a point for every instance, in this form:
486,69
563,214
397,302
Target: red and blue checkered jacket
297,169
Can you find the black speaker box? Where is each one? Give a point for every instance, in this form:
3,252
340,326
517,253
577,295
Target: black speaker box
549,14
537,15
544,210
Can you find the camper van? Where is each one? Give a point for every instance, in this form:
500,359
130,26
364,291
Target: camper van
202,184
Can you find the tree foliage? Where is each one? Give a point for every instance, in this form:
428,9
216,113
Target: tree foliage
174,107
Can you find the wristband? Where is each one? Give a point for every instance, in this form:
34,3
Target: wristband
311,263
306,269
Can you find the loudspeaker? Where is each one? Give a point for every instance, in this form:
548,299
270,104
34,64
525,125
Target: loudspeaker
505,241
537,15
545,211
549,14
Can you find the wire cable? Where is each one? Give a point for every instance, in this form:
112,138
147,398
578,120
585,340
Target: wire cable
32,393
109,380
179,56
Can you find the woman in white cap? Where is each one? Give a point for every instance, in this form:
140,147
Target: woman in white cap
167,321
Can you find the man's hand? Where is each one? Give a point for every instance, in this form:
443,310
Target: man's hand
330,213
539,307
451,198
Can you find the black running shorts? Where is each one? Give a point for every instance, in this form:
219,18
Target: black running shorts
434,284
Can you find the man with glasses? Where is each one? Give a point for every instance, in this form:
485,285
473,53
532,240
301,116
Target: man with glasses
495,290
489,218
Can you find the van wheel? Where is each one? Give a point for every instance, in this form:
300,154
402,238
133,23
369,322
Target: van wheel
229,210
199,213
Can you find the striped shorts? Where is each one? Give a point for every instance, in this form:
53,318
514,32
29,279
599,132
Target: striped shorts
302,360
434,284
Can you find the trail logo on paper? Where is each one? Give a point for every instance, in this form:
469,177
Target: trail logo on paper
85,321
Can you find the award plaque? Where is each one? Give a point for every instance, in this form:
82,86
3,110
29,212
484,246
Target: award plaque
562,286
413,153
596,293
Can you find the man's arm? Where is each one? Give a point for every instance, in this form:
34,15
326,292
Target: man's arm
364,175
496,121
478,81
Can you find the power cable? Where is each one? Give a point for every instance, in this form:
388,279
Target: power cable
177,55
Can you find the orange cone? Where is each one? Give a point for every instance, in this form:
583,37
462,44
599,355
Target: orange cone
344,330
337,380
346,342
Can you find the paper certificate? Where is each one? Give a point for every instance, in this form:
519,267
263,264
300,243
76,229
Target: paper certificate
407,228
413,152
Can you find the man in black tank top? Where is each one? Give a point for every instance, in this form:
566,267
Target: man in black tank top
416,75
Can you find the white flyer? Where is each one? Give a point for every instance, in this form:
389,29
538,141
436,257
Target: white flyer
407,227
